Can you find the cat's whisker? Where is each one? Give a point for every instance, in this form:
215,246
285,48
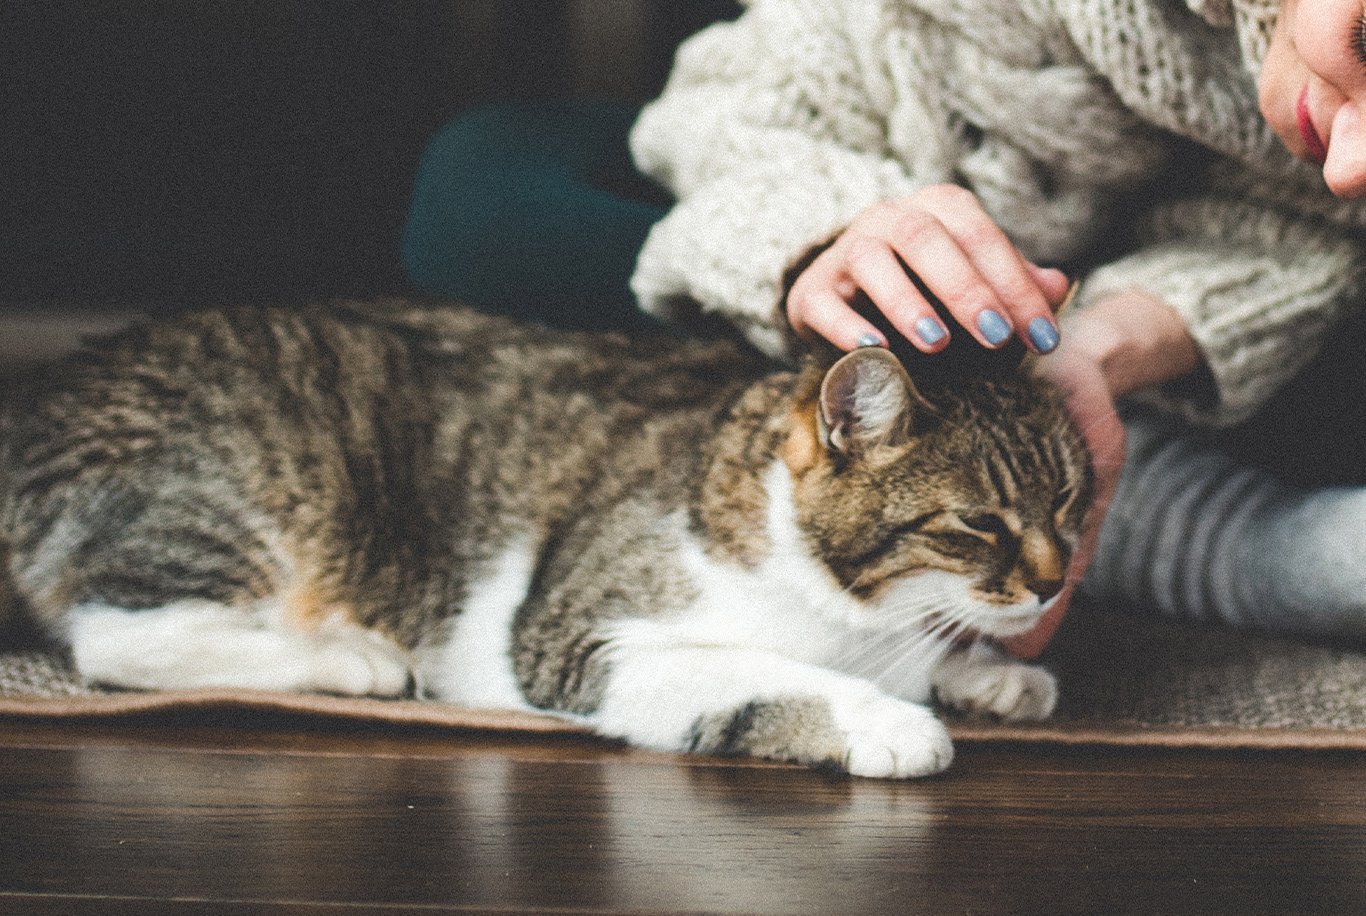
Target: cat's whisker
870,655
918,653
922,645
910,618
912,646
877,667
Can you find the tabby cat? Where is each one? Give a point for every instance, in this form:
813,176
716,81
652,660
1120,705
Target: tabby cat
674,543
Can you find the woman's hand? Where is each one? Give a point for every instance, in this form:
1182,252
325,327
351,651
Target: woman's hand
1118,345
1078,373
942,235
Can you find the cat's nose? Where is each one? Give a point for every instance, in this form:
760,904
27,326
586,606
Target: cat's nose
1044,588
1043,562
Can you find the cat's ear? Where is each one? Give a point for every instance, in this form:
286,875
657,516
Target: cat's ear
866,399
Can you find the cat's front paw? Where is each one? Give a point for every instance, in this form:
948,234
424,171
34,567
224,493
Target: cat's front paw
1008,690
860,730
886,737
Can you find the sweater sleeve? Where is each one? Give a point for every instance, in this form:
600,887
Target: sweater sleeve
1258,289
770,134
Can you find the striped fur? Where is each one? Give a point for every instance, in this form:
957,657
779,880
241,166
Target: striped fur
372,498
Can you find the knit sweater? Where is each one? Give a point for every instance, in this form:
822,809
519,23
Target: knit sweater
1118,139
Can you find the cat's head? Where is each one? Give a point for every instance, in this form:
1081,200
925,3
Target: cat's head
956,507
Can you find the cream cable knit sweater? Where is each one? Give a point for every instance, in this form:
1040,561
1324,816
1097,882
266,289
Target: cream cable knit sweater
1117,138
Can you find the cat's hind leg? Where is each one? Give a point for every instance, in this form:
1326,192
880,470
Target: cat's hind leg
195,643
175,580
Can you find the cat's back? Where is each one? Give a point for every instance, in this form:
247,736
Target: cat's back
392,392
643,371
550,426
220,383
205,362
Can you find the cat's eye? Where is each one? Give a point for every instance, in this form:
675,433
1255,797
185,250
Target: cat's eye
986,523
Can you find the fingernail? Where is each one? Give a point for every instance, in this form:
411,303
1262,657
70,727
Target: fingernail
1043,334
871,340
930,331
993,327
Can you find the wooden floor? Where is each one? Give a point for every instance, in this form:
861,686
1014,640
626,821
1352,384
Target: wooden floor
178,816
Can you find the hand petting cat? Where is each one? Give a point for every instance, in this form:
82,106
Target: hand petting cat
943,236
1116,346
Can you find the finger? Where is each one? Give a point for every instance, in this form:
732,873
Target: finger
928,249
878,272
1054,283
1005,270
821,313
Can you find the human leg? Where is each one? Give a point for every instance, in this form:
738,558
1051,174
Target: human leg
1196,534
533,210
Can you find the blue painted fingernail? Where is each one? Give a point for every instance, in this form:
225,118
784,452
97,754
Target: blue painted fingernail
930,331
870,340
993,327
1043,334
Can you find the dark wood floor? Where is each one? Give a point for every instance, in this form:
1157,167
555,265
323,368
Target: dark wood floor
180,816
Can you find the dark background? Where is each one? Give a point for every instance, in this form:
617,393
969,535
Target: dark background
162,154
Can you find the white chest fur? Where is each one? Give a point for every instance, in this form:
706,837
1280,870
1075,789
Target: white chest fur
789,605
792,605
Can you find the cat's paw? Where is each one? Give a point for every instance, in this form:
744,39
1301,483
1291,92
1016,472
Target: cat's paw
1008,690
361,663
886,737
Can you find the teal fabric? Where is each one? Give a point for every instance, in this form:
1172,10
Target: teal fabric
533,210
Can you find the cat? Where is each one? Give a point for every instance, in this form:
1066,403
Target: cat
675,543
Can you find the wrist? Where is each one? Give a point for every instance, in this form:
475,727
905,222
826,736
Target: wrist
1136,340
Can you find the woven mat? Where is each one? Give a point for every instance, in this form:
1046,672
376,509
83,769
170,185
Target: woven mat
1125,681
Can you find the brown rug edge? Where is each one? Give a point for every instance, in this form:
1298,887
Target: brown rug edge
398,712
415,713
